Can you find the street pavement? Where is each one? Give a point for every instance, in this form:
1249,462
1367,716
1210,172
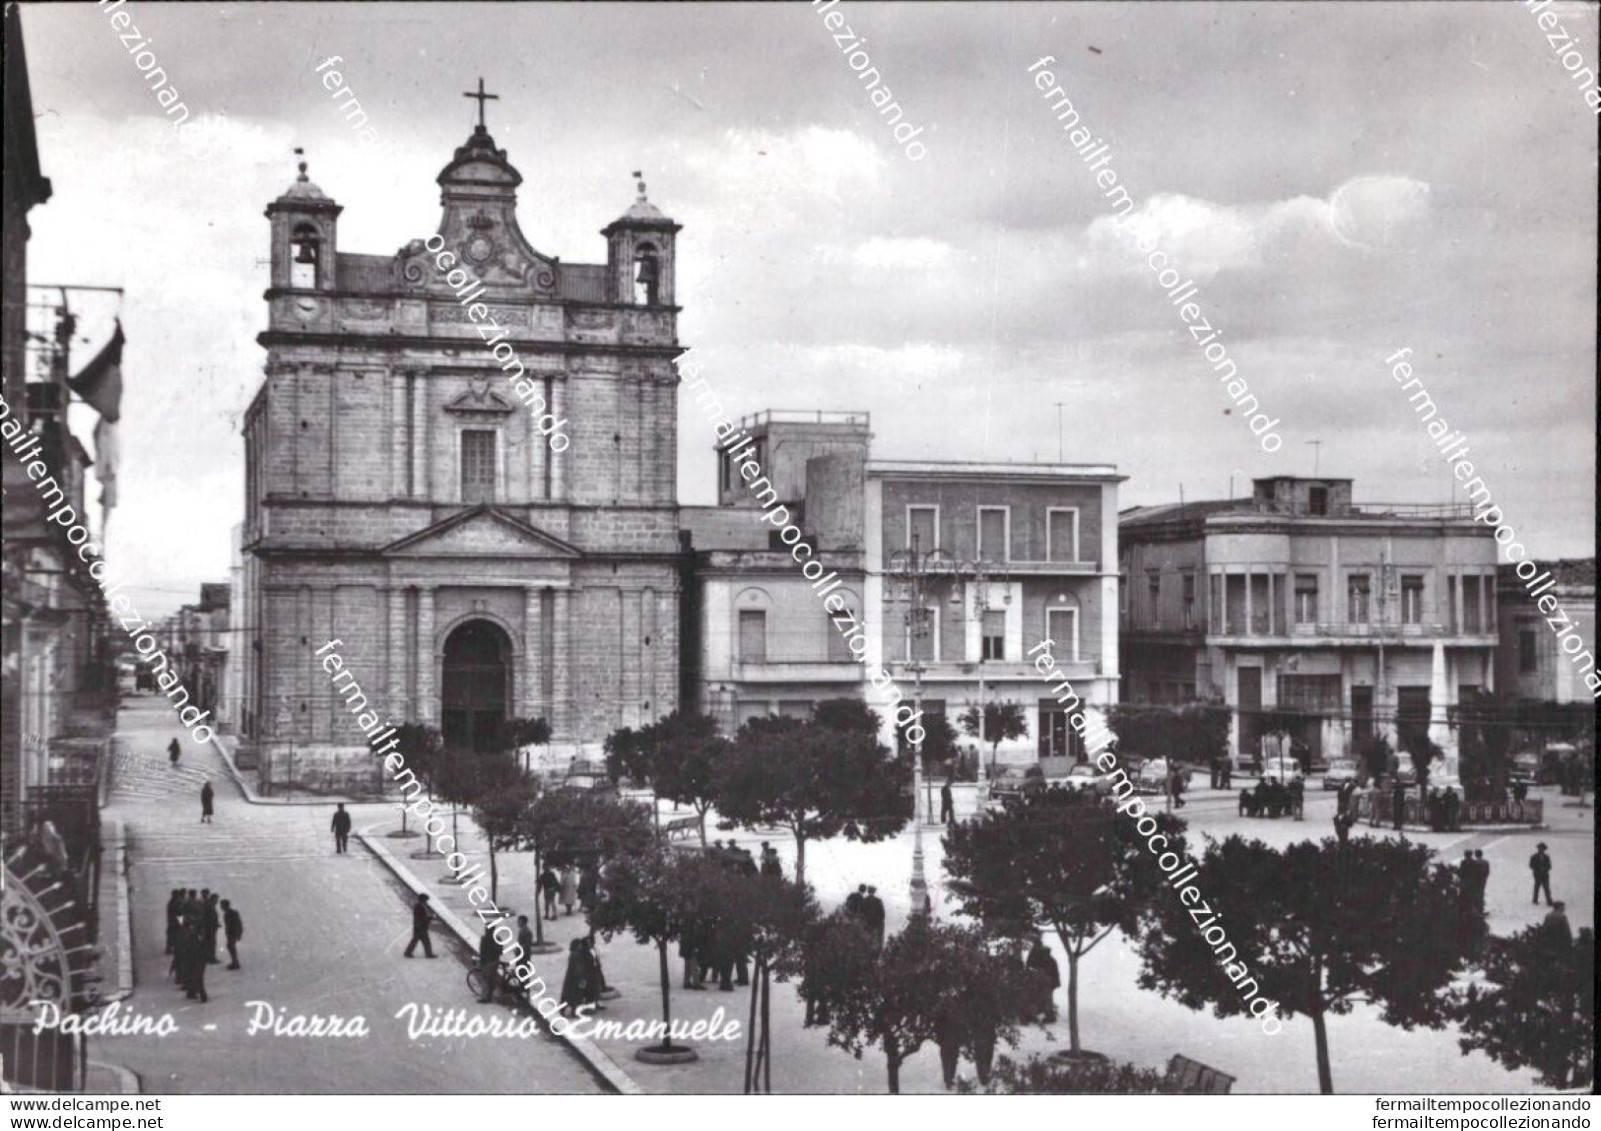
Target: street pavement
1115,1017
323,936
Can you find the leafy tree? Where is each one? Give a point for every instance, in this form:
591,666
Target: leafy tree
571,826
1192,732
684,761
654,894
1003,722
420,745
456,779
1061,862
1316,928
895,999
814,780
501,798
1045,1076
626,756
1539,1009
516,733
846,714
939,741
1374,751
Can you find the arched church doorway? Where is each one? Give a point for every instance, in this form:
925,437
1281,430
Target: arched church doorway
476,677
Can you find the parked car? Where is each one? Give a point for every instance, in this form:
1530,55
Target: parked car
1339,772
1084,777
1281,766
1151,777
1525,767
1016,781
1402,769
585,776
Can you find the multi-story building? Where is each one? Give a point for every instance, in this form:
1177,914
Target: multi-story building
1015,554
1530,663
1352,619
489,534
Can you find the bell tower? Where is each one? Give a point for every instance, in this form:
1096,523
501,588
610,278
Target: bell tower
639,254
305,228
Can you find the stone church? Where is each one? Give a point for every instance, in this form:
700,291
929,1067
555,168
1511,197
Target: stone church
401,498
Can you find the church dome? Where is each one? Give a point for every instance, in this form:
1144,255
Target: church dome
303,194
642,211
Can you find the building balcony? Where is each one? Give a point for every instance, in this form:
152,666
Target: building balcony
1324,634
993,671
795,671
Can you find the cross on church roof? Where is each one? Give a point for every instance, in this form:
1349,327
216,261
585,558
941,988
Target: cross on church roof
482,98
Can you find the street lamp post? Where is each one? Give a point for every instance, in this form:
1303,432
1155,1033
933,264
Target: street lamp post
916,577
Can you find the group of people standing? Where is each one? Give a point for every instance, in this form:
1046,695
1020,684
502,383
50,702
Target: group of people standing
194,920
865,905
570,887
1272,798
707,947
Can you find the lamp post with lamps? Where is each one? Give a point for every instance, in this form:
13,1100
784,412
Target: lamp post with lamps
915,577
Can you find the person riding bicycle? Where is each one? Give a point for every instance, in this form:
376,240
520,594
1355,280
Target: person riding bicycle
489,952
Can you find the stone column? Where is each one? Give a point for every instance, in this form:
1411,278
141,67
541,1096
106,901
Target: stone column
558,460
561,714
1439,729
427,705
533,655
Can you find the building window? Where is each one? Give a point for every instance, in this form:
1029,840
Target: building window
1317,500
1310,693
922,528
1358,596
753,636
1188,594
1306,598
1061,625
922,630
1061,534
992,534
1153,599
994,636
1528,651
1472,614
477,465
839,649
1412,598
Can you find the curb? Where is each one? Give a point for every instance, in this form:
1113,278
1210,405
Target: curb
604,1068
127,1080
252,797
119,858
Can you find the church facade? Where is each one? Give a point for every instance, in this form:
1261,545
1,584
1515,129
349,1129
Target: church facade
402,496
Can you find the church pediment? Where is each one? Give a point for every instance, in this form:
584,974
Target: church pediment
480,400
482,532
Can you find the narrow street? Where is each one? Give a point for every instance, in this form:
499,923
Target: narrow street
323,936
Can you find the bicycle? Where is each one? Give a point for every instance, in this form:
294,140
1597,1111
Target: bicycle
507,987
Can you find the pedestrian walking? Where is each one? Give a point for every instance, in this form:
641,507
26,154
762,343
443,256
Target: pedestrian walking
569,889
173,751
575,984
341,828
420,918
206,797
1397,803
1043,963
948,1036
1540,865
1481,874
947,805
549,888
233,929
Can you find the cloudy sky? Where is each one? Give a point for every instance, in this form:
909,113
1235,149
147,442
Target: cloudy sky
1341,180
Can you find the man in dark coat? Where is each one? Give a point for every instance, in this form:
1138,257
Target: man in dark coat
233,929
210,924
1481,874
1452,806
771,868
420,918
341,828
873,915
575,984
947,805
1398,803
948,1036
174,914
1540,866
1342,826
549,889
853,901
1297,793
173,750
192,962
207,795
1556,924
1043,962
489,951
